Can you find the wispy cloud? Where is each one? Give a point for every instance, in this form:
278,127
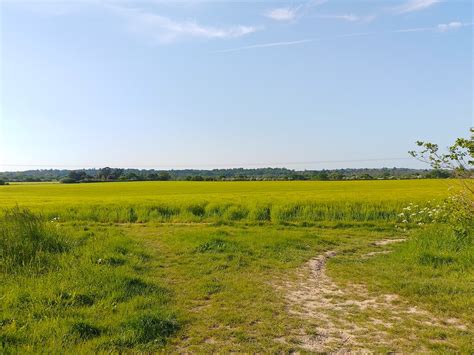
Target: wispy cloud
291,13
154,27
163,29
348,17
438,28
444,27
415,5
282,14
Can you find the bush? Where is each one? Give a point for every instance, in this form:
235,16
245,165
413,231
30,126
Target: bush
67,180
457,212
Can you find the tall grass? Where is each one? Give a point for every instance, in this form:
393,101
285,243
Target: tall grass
439,247
250,212
28,242
66,287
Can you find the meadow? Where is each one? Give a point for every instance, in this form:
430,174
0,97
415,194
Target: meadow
223,266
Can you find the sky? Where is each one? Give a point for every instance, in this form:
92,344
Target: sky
206,84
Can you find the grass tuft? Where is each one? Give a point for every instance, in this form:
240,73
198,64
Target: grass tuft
151,327
29,242
82,331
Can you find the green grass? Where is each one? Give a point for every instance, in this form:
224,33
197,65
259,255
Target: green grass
119,271
26,242
81,296
437,269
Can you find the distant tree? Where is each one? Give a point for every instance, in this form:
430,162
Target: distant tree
164,176
2,182
104,173
152,176
67,180
336,176
130,176
297,177
115,174
77,175
32,179
107,174
366,177
438,174
323,176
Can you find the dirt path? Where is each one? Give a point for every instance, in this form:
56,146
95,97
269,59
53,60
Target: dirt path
350,319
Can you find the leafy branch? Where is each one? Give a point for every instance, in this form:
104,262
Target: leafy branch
459,157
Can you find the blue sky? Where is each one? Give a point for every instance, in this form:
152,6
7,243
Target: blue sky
204,84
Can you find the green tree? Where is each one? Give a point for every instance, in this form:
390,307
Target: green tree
336,176
164,176
104,173
77,175
459,159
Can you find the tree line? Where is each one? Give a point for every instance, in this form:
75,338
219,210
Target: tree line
237,174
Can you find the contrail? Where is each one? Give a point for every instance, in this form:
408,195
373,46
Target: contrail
360,34
265,45
292,43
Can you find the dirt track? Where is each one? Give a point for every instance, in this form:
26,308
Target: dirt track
349,319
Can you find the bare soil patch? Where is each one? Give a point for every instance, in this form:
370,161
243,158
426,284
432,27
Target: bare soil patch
351,319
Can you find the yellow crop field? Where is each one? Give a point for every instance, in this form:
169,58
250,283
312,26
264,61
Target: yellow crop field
251,201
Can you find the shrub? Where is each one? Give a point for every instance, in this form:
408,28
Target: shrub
67,180
457,211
